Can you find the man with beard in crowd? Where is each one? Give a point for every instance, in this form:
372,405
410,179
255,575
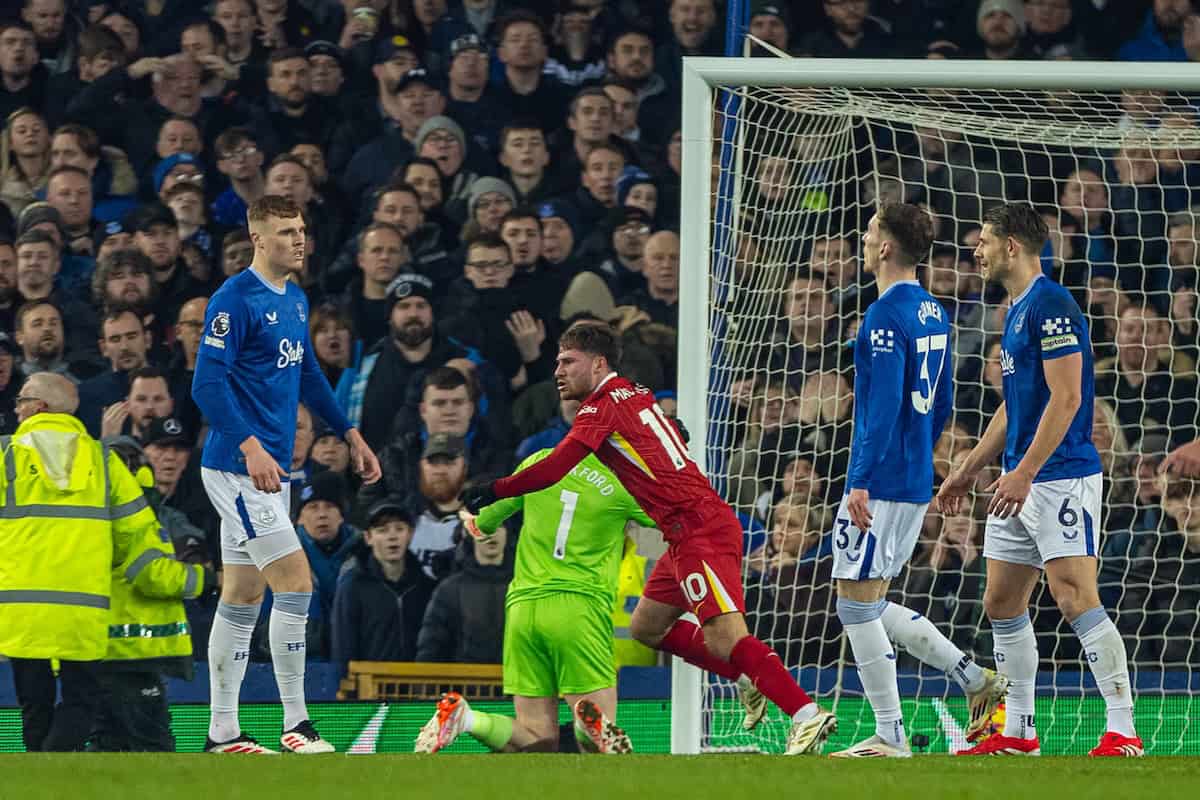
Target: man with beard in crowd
441,475
126,277
124,342
40,336
294,114
410,349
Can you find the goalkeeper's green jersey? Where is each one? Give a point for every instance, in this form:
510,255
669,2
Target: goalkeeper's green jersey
573,535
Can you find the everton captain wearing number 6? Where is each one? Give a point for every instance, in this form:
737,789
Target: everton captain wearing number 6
1046,503
902,399
701,571
254,365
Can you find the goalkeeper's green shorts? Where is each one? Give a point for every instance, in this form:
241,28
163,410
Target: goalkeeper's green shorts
558,645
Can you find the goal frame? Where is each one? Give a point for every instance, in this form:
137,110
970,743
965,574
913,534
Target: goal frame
703,77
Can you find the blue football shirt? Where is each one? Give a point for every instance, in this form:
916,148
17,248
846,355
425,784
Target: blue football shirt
259,333
902,394
1043,324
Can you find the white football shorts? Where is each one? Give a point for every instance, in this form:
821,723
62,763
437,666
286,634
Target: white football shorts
882,551
256,527
1059,519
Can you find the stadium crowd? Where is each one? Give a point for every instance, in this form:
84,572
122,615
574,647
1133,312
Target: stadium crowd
475,177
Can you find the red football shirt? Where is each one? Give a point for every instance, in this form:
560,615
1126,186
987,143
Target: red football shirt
627,430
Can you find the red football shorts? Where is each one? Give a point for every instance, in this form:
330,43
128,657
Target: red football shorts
701,571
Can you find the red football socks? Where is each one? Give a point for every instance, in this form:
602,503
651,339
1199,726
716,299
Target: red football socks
763,666
686,640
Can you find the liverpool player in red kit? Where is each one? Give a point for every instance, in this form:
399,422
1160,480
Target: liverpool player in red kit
701,571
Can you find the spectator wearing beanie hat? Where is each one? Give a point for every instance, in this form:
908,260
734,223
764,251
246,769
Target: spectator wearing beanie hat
637,189
75,271
177,168
110,236
559,226
326,68
328,541
487,203
378,383
1000,25
770,22
442,140
469,97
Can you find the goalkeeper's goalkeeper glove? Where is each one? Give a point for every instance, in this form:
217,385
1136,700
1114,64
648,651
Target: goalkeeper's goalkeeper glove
683,431
471,525
476,497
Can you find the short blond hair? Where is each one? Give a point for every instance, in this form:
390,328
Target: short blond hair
271,205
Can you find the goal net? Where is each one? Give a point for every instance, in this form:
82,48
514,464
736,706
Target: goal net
797,173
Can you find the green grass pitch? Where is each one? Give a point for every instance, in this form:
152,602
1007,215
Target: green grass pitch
498,777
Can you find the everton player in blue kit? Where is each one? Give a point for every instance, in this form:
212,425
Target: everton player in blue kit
1046,504
254,366
902,399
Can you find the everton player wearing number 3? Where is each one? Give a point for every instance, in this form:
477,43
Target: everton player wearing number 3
903,397
701,571
254,366
1046,503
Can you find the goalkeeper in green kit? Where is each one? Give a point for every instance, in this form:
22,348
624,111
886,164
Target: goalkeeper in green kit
558,631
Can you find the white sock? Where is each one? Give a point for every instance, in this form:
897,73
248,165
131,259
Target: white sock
287,653
1016,657
805,713
228,656
1105,651
918,635
876,666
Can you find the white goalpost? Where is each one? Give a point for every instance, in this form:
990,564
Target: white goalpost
784,161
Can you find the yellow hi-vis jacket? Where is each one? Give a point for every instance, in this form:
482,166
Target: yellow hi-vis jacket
635,569
70,513
146,618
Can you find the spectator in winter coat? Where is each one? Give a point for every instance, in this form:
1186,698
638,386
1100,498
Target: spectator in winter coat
370,394
464,621
382,595
327,539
